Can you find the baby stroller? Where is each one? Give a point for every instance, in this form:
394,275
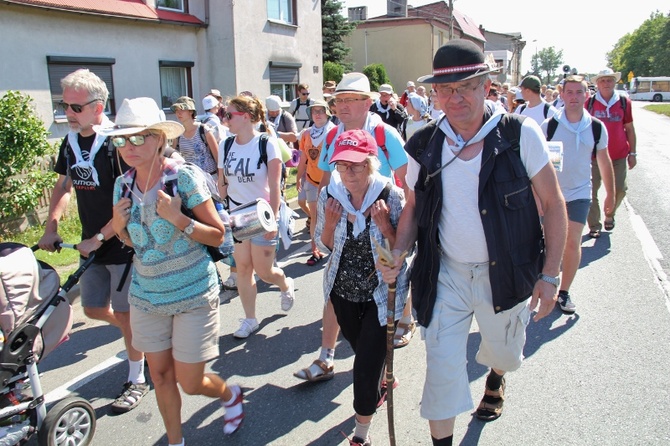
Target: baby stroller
35,317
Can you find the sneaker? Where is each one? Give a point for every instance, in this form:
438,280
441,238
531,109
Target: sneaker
565,303
383,391
130,397
230,283
287,297
358,441
247,326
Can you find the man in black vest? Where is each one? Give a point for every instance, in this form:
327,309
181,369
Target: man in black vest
388,108
480,250
86,163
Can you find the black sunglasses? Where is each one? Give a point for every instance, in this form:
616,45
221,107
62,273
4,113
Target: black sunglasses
75,107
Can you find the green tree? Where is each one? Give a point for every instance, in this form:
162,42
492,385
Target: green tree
334,27
23,145
332,71
376,73
547,60
645,51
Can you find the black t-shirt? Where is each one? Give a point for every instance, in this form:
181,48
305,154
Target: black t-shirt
94,201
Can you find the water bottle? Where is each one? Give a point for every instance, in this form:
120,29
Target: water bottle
228,244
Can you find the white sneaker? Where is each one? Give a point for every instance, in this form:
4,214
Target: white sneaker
287,297
247,326
230,283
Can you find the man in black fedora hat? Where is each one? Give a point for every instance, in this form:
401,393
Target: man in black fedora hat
481,248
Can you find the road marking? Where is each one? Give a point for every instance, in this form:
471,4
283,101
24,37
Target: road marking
83,379
651,252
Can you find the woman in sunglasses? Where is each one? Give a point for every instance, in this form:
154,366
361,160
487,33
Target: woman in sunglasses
357,206
174,290
244,177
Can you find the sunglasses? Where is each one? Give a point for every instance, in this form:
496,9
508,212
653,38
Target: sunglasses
305,93
355,168
75,107
229,115
135,140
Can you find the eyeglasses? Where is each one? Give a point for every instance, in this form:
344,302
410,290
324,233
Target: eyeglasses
463,90
135,140
318,111
229,115
348,100
355,168
75,107
305,93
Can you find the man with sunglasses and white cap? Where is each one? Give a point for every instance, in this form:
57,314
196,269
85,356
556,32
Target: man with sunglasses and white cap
480,242
87,163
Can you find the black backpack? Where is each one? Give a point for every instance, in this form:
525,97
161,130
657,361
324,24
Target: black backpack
547,106
596,128
592,99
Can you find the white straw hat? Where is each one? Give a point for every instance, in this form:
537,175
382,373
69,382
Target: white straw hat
607,72
357,83
136,115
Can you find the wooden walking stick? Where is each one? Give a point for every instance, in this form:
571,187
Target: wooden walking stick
386,259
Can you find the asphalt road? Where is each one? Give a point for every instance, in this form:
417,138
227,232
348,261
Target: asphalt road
598,377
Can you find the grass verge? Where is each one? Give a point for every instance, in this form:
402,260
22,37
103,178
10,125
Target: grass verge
661,109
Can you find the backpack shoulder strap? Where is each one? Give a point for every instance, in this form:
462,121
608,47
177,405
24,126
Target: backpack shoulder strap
384,194
380,138
589,104
201,132
227,144
510,127
551,128
330,137
597,129
521,108
263,150
624,103
546,109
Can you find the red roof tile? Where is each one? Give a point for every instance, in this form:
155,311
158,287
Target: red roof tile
121,8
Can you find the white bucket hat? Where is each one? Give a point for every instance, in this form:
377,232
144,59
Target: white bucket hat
607,72
136,115
357,83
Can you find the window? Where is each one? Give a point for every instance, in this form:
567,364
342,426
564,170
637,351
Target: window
59,67
358,13
177,5
282,11
175,81
284,79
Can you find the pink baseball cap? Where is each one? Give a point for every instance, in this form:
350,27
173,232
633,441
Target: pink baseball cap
354,146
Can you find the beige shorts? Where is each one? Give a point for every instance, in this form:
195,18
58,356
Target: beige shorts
464,290
193,335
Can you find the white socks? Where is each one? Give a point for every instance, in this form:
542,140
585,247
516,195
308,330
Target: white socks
136,372
327,355
178,444
362,430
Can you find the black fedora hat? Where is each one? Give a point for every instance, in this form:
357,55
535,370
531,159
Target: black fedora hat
456,61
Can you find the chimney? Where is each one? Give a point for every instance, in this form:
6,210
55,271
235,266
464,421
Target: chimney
396,8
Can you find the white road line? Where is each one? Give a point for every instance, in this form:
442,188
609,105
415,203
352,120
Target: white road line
83,379
651,252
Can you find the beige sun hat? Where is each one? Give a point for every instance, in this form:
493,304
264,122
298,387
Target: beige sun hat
607,72
318,103
357,83
136,115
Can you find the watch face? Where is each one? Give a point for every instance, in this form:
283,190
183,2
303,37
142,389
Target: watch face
100,236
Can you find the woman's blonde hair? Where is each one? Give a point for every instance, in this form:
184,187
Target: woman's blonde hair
253,107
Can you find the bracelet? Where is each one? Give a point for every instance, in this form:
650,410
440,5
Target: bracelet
632,154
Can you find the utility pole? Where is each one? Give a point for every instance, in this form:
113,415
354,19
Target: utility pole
451,19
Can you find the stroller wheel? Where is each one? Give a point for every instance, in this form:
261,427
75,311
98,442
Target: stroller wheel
70,422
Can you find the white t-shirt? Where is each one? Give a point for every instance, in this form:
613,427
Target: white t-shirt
246,180
537,112
461,232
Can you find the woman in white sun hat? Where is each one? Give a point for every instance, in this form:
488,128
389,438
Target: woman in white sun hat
174,291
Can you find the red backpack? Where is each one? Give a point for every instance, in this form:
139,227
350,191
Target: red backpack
380,138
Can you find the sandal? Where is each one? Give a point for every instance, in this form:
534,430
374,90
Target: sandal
491,405
314,259
323,373
308,222
403,334
594,233
232,424
130,397
383,390
609,225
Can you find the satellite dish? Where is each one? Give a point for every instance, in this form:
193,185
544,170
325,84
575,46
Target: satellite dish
566,68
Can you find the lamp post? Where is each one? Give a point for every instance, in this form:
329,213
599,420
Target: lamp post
536,67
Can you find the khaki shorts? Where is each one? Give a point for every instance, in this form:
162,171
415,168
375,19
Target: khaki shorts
192,335
464,290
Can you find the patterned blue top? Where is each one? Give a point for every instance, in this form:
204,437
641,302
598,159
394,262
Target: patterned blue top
395,202
171,273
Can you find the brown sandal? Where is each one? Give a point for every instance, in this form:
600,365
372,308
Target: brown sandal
327,374
403,334
491,405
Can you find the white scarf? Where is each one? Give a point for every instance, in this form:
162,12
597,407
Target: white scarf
583,124
371,122
72,138
382,109
457,140
318,134
613,100
340,193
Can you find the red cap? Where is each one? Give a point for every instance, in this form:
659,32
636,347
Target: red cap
354,146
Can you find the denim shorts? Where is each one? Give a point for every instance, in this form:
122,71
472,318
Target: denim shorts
578,210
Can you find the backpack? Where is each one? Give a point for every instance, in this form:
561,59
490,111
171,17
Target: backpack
547,106
596,128
203,138
380,138
592,99
297,107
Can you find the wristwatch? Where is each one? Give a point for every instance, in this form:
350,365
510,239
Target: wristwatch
555,281
100,237
188,230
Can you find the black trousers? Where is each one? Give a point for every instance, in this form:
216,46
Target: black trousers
360,327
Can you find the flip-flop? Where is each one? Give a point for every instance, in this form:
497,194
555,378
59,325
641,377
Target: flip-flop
314,260
594,233
609,225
